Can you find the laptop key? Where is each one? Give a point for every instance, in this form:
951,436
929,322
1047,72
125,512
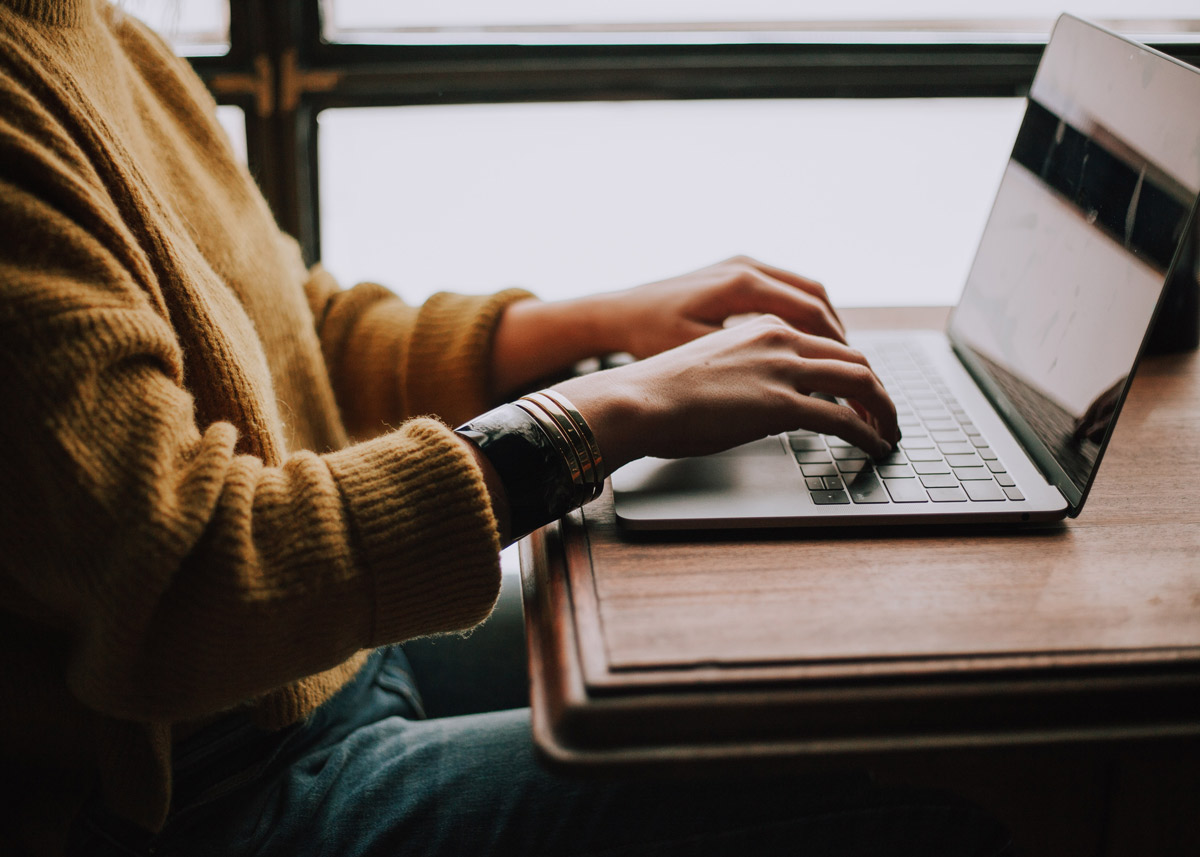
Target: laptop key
949,437
1014,494
968,460
853,465
973,474
848,452
865,488
983,491
940,480
929,467
812,442
818,470
815,483
1005,480
916,442
829,498
924,455
947,495
995,466
805,456
833,483
985,452
895,471
956,448
906,491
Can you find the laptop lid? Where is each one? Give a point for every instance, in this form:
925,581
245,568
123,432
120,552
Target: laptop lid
1094,214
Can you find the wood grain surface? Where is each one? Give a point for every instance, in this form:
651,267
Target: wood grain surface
1121,582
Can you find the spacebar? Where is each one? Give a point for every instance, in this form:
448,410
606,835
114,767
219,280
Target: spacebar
866,488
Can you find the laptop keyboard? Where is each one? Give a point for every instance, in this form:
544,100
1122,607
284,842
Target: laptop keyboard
942,458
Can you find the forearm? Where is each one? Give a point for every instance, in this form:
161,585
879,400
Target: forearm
536,339
388,361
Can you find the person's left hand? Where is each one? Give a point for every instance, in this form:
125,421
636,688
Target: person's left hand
536,339
649,319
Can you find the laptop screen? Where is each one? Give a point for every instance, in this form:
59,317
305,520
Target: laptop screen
1089,218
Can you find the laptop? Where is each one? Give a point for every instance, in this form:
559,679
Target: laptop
1005,414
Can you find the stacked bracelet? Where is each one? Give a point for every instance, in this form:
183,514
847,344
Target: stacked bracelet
555,413
545,455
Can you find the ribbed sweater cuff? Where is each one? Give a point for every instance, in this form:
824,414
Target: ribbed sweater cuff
425,529
451,361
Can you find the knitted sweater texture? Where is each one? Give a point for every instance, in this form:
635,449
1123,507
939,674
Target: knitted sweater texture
186,527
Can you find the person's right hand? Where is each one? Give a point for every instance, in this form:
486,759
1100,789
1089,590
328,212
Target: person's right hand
731,387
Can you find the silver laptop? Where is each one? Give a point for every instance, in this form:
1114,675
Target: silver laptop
1006,414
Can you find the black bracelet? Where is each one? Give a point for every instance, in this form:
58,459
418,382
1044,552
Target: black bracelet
532,469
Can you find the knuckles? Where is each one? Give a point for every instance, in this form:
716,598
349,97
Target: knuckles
773,332
860,375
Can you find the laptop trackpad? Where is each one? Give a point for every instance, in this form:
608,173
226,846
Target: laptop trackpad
757,479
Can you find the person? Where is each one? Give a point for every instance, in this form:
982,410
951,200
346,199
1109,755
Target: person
231,486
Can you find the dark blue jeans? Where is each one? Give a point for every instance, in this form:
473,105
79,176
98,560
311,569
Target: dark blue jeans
367,774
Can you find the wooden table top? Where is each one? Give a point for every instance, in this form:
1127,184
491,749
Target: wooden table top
809,642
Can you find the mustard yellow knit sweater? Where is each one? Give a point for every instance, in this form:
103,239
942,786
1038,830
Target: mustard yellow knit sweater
185,528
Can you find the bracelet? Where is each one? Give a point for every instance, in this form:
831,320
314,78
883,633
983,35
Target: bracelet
545,455
579,433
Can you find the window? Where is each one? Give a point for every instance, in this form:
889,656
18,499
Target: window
571,146
882,200
197,28
233,120
671,21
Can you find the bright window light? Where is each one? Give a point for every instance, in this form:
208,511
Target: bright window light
468,21
882,200
194,28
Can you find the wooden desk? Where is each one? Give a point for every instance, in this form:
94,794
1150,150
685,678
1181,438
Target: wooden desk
800,647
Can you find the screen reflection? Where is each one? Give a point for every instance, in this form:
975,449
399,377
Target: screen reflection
1091,210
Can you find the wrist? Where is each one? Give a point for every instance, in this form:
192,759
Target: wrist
538,339
539,458
615,411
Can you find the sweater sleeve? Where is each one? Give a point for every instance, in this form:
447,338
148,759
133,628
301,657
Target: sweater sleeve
389,361
187,575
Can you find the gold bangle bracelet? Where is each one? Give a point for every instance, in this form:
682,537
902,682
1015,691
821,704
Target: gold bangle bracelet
555,433
574,435
580,434
584,429
585,477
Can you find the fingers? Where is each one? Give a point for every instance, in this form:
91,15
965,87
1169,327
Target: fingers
832,418
857,383
802,302
835,369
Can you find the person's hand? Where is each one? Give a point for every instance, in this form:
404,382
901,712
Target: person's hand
536,339
649,319
731,387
